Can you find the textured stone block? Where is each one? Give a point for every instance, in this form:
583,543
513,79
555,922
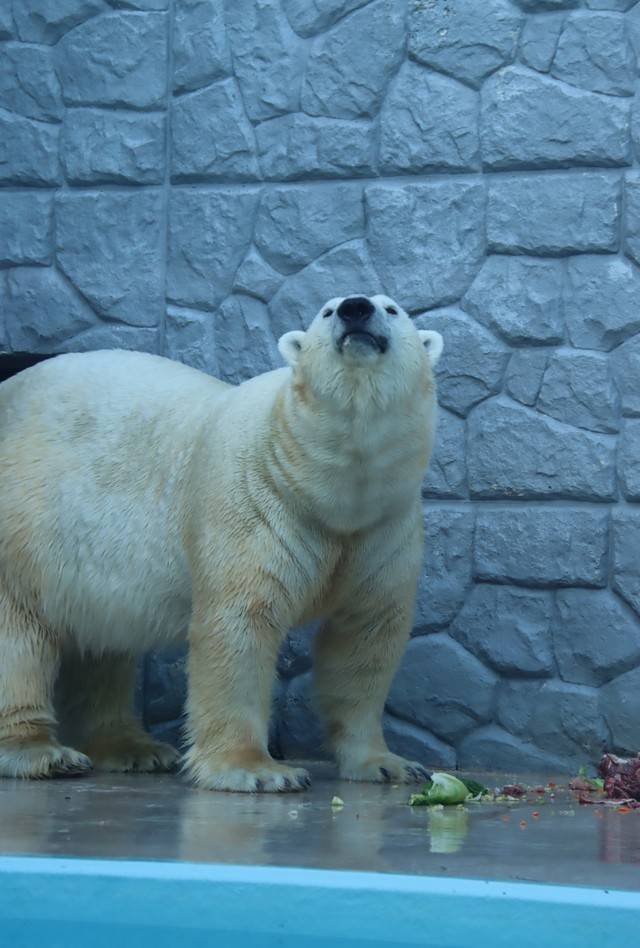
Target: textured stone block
28,83
626,555
45,21
530,121
454,39
595,636
107,245
514,452
519,298
536,6
447,472
428,123
119,58
472,364
300,146
619,703
268,57
578,389
300,728
568,720
245,345
602,302
516,704
538,40
538,546
106,146
554,214
432,688
594,53
297,224
426,239
212,139
621,5
308,19
525,373
28,151
445,577
209,234
4,296
189,337
416,743
165,685
255,277
508,629
341,85
42,310
295,656
629,460
343,271
200,49
632,216
26,227
110,336
7,29
142,4
493,747
625,366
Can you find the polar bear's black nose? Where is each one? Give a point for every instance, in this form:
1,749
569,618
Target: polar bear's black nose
355,309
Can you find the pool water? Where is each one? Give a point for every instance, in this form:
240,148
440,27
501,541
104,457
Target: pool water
67,903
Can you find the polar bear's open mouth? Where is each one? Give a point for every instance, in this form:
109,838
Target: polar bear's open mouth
361,337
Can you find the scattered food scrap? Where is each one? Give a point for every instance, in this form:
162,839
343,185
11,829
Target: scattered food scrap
618,780
446,790
621,777
439,790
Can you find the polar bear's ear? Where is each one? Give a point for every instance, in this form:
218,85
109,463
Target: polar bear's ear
290,346
433,343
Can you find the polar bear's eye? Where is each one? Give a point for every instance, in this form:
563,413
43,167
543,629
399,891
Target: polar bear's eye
391,310
327,312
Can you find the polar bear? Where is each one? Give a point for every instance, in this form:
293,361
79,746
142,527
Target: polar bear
142,501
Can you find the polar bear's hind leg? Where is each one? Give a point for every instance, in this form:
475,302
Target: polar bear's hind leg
28,662
94,700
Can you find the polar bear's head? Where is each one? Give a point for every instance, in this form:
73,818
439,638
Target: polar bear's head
362,343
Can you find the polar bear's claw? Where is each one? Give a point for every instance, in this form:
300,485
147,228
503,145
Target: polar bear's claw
140,756
42,761
265,777
387,768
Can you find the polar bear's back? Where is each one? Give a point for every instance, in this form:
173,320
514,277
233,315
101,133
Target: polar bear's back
111,379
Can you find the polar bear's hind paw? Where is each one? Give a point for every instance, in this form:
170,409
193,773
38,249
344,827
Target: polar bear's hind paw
42,760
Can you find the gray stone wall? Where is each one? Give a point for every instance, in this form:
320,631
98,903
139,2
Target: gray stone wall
193,177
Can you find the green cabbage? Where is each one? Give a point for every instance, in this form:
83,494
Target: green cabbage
442,789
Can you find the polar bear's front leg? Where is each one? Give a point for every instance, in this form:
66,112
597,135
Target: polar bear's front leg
232,658
356,658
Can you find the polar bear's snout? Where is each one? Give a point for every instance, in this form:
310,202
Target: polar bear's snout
360,325
355,310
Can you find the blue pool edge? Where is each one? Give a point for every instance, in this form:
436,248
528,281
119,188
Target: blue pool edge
273,906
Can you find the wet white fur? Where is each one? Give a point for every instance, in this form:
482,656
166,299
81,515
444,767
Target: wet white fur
142,501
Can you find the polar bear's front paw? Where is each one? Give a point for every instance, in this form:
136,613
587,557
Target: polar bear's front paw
267,776
384,768
42,760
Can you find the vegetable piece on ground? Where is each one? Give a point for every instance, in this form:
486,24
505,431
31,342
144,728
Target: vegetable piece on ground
441,789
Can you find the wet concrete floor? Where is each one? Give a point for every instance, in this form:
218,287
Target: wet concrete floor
546,837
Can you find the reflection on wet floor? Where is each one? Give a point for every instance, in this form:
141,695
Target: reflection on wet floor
550,838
